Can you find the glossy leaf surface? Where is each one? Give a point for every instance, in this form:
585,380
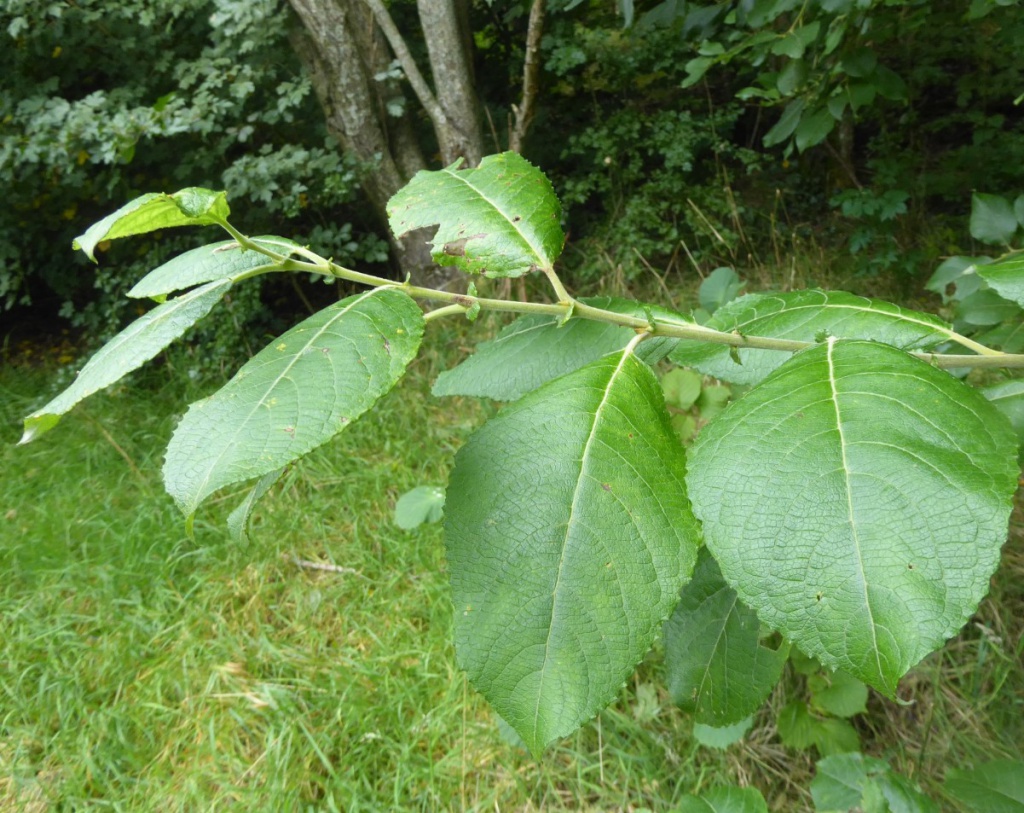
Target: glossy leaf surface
294,395
501,219
129,350
222,260
717,668
189,207
806,316
568,535
857,500
535,349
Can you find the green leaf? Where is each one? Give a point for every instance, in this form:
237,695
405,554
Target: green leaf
900,795
834,736
127,351
696,68
786,124
729,799
717,668
501,219
1005,276
791,45
238,520
1008,398
840,780
1018,209
792,76
992,787
535,349
294,395
859,63
838,694
721,737
189,207
681,387
796,726
799,729
720,287
857,500
890,85
803,316
424,504
985,308
224,260
713,400
956,278
992,219
814,128
569,535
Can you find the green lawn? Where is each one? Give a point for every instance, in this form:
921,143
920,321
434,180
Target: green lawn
142,671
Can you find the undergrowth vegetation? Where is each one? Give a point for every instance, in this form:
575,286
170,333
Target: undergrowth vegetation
312,668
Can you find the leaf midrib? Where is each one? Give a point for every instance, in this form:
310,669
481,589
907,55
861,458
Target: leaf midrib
859,556
538,253
568,526
295,357
898,316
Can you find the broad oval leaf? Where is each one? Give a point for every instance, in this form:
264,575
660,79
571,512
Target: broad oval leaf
729,799
222,260
717,667
857,500
568,535
1005,276
848,781
992,787
129,350
992,219
1008,398
294,395
421,505
804,316
501,219
535,349
189,207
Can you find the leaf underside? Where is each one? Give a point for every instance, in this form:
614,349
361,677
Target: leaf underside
857,500
501,219
568,536
189,207
222,260
129,350
803,316
535,349
294,395
718,670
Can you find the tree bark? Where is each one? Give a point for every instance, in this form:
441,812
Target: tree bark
341,49
446,31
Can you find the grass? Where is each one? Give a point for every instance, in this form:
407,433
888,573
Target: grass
142,671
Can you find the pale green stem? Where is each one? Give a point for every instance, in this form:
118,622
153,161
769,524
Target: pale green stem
448,310
458,303
556,283
970,344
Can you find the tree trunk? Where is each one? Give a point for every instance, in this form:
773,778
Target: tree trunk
342,50
344,44
446,31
